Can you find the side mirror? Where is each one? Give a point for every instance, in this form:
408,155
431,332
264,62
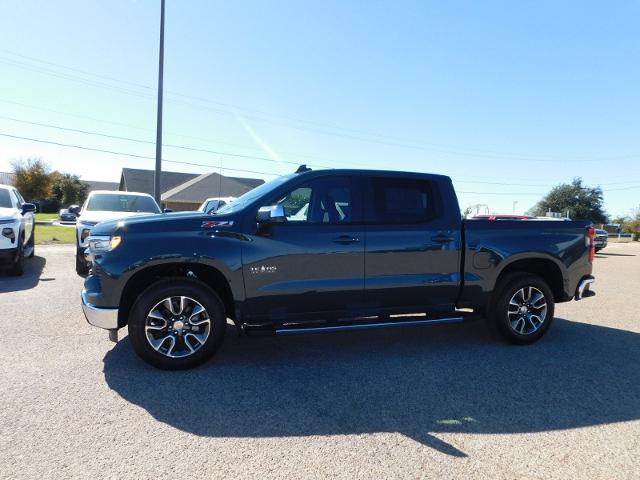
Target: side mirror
272,214
167,210
28,208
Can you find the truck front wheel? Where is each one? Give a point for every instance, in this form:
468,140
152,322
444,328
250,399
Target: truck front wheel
523,308
177,323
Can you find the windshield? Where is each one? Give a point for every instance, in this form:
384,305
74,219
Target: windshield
5,199
249,197
122,203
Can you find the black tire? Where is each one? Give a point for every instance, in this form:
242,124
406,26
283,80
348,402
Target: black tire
17,269
174,287
502,313
32,242
81,266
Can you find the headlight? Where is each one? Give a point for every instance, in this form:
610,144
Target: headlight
7,220
104,244
9,233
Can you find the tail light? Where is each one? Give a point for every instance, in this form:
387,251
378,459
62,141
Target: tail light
591,243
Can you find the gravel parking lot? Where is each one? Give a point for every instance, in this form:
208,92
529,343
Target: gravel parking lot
441,402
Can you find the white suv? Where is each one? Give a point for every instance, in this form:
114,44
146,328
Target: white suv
101,206
214,203
17,228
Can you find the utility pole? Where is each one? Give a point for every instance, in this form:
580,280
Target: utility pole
157,193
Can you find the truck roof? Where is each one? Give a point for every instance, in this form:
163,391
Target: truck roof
369,172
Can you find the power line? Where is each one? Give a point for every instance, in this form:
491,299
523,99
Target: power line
208,165
433,147
133,155
137,127
148,142
73,69
74,78
253,157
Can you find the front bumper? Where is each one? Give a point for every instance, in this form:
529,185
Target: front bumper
8,256
106,318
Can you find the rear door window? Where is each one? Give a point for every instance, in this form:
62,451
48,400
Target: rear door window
404,201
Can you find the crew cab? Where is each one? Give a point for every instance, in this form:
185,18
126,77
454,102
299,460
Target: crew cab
328,250
17,230
106,205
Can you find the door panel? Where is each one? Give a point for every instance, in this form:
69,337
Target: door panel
303,269
412,253
406,267
311,263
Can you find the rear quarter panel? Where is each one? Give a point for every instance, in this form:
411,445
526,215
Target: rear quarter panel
491,246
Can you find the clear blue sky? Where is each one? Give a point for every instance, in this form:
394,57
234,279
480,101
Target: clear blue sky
522,95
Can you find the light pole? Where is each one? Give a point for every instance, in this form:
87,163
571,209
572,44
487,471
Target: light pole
156,186
514,206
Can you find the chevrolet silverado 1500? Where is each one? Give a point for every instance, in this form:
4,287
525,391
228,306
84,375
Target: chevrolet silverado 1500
324,251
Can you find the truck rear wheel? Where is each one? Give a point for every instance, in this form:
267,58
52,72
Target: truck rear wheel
523,308
177,323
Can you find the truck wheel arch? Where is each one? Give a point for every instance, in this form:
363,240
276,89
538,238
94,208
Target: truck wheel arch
545,268
209,275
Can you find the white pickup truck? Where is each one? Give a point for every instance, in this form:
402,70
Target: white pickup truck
101,206
17,228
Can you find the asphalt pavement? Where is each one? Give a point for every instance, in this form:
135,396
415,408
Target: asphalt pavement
448,401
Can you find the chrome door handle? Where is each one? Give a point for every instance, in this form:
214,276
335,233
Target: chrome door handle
441,238
346,239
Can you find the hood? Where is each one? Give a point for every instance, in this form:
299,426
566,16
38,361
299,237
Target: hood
158,222
7,212
103,216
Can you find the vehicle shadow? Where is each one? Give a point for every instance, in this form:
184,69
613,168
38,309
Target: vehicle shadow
33,268
416,381
606,254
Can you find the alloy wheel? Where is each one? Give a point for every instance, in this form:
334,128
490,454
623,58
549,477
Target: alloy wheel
527,310
177,326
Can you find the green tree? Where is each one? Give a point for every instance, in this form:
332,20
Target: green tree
621,219
582,203
68,188
632,225
32,178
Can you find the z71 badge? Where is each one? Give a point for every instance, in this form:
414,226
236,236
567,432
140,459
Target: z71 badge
216,223
263,269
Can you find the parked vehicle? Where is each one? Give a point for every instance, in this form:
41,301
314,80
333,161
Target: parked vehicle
214,203
107,205
602,239
69,215
17,230
395,246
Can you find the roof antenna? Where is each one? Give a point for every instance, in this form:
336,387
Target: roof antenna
303,168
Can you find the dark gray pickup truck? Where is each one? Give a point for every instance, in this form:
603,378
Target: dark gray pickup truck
324,251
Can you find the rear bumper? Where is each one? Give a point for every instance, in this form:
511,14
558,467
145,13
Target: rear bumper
106,318
584,288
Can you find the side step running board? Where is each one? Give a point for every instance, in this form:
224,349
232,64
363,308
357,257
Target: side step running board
294,330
